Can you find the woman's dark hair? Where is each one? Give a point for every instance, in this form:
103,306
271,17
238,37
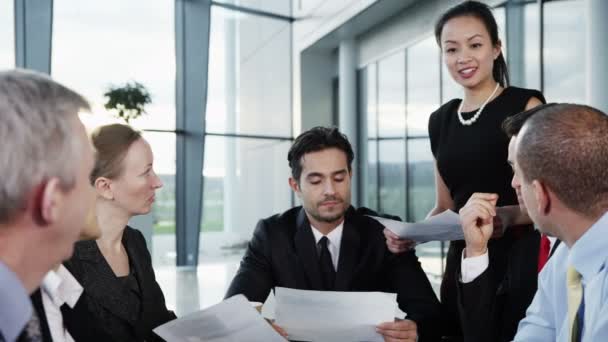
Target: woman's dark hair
317,139
513,124
482,12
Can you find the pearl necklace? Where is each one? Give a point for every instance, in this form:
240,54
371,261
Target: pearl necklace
476,116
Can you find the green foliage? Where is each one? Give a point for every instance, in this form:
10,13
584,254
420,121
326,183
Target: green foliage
128,101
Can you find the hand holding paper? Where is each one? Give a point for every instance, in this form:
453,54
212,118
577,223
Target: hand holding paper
441,227
334,316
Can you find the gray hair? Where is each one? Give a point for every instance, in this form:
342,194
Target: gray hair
37,137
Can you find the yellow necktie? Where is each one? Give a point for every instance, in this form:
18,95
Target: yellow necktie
575,295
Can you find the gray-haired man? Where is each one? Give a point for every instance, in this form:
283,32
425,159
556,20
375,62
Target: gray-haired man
45,161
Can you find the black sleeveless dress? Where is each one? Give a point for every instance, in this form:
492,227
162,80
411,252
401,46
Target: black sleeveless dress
474,159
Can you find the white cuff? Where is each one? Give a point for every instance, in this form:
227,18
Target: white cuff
471,268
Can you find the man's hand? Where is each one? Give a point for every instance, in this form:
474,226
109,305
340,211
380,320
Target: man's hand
477,219
399,331
396,244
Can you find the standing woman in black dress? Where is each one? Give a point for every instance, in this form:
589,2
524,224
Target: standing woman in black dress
467,142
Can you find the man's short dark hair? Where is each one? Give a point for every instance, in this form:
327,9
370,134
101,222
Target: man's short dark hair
314,140
565,146
513,124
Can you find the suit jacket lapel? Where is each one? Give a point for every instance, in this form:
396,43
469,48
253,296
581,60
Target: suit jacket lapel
135,262
101,284
306,249
349,250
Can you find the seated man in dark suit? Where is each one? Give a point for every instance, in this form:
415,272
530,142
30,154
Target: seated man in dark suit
328,245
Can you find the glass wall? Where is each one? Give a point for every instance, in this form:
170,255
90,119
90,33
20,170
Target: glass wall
532,60
90,55
7,35
401,91
248,127
280,7
391,131
564,52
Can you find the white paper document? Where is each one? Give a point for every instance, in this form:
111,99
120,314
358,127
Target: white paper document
233,320
333,316
442,227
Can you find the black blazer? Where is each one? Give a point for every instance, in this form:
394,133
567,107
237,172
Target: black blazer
122,314
491,306
78,321
283,253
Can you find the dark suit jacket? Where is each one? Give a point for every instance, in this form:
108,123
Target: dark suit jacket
121,313
491,306
78,321
283,253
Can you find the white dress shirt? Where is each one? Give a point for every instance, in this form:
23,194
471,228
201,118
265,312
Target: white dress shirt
335,238
473,267
59,287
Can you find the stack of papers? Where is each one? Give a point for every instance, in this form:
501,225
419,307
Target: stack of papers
442,227
334,316
233,320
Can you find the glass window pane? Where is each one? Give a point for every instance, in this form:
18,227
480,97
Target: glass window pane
421,198
422,85
501,21
429,255
249,81
281,7
371,97
237,174
163,211
7,35
391,96
531,46
101,43
371,186
421,179
392,177
564,64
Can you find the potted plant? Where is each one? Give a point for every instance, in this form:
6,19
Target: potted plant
127,101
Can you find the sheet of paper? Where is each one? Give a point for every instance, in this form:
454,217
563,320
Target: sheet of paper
442,227
333,316
233,320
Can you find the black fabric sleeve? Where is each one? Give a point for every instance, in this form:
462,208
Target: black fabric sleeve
415,294
477,305
254,278
154,305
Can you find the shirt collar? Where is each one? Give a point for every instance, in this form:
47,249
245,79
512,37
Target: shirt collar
16,308
62,287
588,255
334,237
